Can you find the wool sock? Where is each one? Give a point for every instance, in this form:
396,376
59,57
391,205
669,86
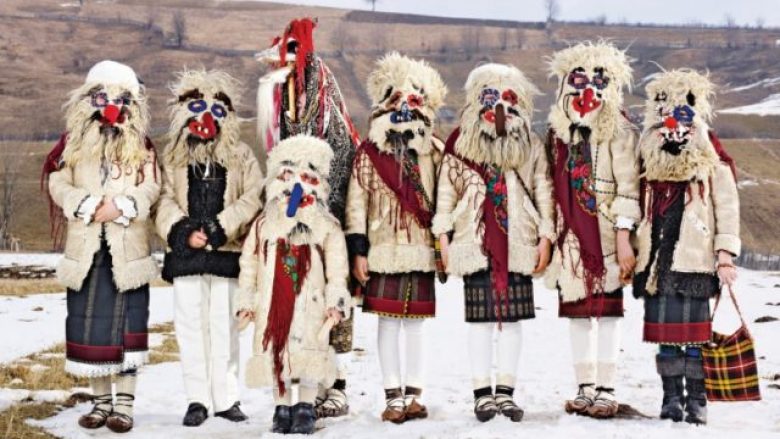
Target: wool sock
125,393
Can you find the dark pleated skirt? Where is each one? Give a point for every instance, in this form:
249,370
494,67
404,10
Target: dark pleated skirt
408,295
484,305
677,319
105,330
597,305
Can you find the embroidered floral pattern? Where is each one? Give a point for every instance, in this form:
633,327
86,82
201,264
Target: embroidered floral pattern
580,176
496,190
290,262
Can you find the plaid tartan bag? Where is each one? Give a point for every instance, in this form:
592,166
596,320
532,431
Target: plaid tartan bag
730,372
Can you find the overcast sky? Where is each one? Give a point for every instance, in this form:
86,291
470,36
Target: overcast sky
656,11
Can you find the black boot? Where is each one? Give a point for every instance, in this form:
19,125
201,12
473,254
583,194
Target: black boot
696,400
233,414
303,418
671,369
282,419
196,415
485,407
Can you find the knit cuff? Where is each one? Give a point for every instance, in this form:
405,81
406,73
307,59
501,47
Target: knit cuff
180,234
216,234
670,366
357,245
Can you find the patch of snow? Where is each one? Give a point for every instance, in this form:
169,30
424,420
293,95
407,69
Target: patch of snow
769,106
42,259
26,331
747,183
545,380
769,82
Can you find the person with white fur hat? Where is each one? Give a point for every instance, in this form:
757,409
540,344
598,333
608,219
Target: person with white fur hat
293,282
103,180
494,219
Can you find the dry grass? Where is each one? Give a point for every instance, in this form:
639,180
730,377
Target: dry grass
45,370
13,420
24,287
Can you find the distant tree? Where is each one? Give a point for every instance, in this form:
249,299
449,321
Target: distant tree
760,22
600,20
519,38
503,38
373,4
8,197
732,31
340,40
179,29
552,8
470,40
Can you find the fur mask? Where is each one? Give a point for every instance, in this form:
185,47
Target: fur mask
107,117
495,122
204,123
296,189
675,145
591,78
405,95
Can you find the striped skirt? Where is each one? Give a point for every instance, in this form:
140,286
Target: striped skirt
677,319
597,305
410,295
105,330
484,305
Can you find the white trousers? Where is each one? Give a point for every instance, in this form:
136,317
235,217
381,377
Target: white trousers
508,348
207,333
595,344
388,342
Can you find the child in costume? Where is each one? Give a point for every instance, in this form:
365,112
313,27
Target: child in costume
293,282
596,186
494,218
211,192
104,177
300,95
389,211
688,236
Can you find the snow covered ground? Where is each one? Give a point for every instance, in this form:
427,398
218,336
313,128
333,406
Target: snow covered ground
44,259
546,378
769,106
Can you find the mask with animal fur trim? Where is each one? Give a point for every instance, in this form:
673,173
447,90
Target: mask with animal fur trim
204,124
405,95
591,78
296,189
675,145
108,116
495,122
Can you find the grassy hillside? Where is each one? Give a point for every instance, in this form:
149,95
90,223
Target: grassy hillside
46,47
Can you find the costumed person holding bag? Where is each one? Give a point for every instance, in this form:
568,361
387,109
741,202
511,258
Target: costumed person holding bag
596,185
103,179
689,234
211,193
300,95
389,212
293,282
494,218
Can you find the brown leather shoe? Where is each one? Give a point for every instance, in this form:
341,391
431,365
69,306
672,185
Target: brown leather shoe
582,402
100,412
395,411
415,410
119,423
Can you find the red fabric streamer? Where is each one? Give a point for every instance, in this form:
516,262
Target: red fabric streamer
495,242
390,171
302,31
288,281
584,225
724,156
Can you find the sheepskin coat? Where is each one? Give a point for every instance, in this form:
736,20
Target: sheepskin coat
129,245
398,244
460,194
243,182
710,223
616,187
308,355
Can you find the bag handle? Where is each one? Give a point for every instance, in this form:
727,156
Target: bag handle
734,301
